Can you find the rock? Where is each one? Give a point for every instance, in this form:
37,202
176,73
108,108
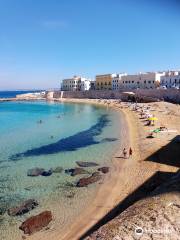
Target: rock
46,173
83,182
87,164
75,171
70,195
153,217
34,172
104,169
57,170
23,208
109,140
36,223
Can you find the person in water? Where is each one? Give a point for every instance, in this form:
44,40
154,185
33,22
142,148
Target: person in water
40,121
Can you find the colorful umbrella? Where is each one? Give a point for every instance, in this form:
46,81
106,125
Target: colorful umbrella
153,119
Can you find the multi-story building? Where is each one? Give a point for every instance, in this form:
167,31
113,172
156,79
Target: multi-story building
92,85
116,81
142,80
104,82
75,84
171,79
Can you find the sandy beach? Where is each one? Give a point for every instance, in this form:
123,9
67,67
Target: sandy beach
125,175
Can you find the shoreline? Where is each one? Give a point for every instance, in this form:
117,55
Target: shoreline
124,178
108,195
126,175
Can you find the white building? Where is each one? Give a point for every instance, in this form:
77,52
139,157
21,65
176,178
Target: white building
142,80
76,84
171,79
116,80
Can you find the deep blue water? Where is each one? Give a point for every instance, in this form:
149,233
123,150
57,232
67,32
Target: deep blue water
12,94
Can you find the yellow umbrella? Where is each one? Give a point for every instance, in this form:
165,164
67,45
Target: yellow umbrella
153,119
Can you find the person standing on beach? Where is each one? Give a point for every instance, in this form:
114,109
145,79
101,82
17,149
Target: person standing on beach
130,152
125,153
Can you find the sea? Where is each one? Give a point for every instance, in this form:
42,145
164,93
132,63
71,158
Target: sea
12,94
49,135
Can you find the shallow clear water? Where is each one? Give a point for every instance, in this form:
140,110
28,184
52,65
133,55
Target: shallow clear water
68,133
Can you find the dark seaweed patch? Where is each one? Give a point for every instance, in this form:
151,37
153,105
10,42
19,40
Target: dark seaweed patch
72,143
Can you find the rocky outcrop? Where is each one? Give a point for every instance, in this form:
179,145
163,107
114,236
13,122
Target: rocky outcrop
57,170
34,172
76,171
87,164
46,173
83,182
104,169
23,208
154,217
36,223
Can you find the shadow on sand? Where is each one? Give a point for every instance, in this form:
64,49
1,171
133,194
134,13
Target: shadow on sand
164,156
169,154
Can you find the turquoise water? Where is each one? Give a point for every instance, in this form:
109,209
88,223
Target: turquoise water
67,133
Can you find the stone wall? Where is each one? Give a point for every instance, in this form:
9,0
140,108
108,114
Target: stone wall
143,95
170,95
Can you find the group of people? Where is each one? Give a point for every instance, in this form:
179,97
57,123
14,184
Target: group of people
125,152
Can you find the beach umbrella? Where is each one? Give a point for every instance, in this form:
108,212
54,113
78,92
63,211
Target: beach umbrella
153,119
156,130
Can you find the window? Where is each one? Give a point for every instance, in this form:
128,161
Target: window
132,81
149,81
144,81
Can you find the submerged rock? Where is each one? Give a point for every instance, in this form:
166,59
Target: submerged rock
109,140
87,164
34,172
36,223
76,171
70,195
83,182
25,207
57,170
104,169
47,173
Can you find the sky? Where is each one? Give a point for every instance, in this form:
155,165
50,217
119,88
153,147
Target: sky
44,41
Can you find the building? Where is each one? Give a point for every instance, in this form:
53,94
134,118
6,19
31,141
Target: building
92,85
142,80
76,84
116,81
104,82
171,79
